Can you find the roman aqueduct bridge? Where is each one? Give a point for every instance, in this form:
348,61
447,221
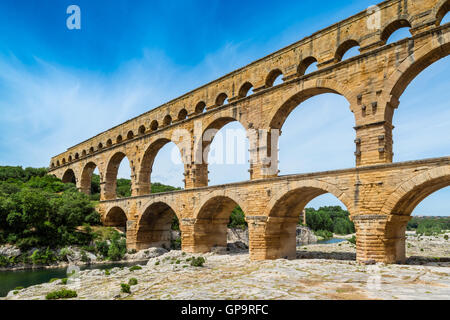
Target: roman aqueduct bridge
379,194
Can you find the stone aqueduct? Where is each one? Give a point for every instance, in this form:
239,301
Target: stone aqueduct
380,195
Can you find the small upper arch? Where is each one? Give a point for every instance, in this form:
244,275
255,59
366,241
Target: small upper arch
344,48
141,130
304,65
130,135
200,107
392,27
167,121
154,125
272,76
182,115
221,98
119,139
109,143
245,89
100,146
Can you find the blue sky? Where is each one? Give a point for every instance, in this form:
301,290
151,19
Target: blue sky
59,87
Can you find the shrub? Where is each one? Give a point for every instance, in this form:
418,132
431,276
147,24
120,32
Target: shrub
132,282
61,294
134,268
18,288
125,288
84,257
53,280
64,281
107,272
324,234
352,240
43,257
198,262
4,261
157,263
446,237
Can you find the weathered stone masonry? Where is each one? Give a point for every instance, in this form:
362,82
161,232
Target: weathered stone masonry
380,195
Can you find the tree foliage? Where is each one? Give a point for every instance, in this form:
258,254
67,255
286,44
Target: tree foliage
332,219
38,210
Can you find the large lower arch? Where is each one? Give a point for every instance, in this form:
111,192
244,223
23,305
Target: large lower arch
155,227
69,177
86,177
283,213
209,228
116,217
401,204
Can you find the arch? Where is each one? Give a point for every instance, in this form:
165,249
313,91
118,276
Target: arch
245,89
392,27
283,213
320,87
86,177
84,153
109,143
304,65
70,158
116,217
410,68
167,121
77,156
57,163
52,165
112,170
154,125
221,98
69,177
211,130
408,195
100,146
272,76
182,115
443,8
154,226
130,135
141,130
119,139
343,48
200,107
64,161
146,165
91,150
211,221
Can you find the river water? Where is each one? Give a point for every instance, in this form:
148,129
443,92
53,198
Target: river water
9,280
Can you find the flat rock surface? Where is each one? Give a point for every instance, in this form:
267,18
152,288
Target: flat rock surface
320,272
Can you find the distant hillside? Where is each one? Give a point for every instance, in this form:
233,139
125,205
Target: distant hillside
124,188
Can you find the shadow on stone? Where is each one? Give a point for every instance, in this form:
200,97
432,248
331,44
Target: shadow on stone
348,256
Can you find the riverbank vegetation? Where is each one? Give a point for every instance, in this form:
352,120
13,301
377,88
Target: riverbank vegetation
327,221
429,226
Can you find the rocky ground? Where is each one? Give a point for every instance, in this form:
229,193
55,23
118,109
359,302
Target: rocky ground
319,272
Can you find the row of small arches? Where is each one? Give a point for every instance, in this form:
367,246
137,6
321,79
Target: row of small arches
275,77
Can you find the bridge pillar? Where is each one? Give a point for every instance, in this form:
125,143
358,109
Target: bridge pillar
272,237
374,143
201,235
196,176
263,153
380,238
